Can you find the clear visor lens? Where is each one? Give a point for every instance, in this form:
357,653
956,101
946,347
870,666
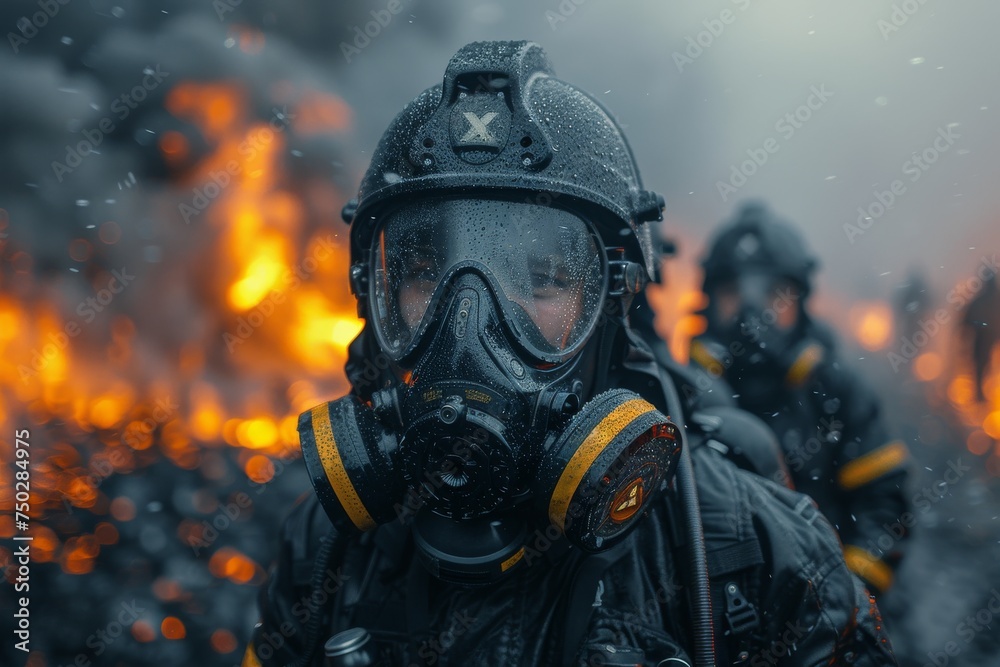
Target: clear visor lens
544,263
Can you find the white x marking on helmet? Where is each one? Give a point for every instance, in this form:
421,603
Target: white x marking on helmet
477,127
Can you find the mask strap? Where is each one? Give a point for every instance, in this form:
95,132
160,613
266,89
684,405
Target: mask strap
609,337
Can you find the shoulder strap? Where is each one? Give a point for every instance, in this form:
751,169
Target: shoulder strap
579,604
733,558
734,571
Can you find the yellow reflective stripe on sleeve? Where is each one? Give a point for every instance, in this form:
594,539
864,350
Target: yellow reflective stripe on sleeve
872,465
704,358
592,446
804,364
873,570
250,657
336,474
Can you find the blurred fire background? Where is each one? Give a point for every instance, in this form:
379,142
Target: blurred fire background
173,295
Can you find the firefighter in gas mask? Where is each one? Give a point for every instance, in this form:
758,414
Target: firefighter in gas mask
509,489
782,366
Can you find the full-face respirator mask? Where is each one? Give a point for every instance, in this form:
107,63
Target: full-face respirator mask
758,277
487,311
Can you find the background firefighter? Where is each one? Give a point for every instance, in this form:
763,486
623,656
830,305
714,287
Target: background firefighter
782,366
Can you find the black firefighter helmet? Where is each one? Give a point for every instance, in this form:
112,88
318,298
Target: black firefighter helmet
758,240
758,275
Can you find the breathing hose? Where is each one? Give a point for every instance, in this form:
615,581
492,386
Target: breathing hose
320,566
704,634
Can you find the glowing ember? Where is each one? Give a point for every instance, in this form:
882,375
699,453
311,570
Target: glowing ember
223,641
928,366
173,628
143,631
871,323
231,564
260,469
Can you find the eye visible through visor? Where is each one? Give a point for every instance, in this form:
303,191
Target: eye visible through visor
544,264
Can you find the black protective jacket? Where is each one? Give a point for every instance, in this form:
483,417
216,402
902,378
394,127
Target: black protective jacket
836,450
781,591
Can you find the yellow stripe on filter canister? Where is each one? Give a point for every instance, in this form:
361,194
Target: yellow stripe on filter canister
512,561
336,474
871,466
584,457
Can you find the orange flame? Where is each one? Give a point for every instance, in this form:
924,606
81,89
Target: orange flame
266,274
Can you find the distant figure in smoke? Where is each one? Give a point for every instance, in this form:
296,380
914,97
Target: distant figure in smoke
912,303
981,328
782,367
